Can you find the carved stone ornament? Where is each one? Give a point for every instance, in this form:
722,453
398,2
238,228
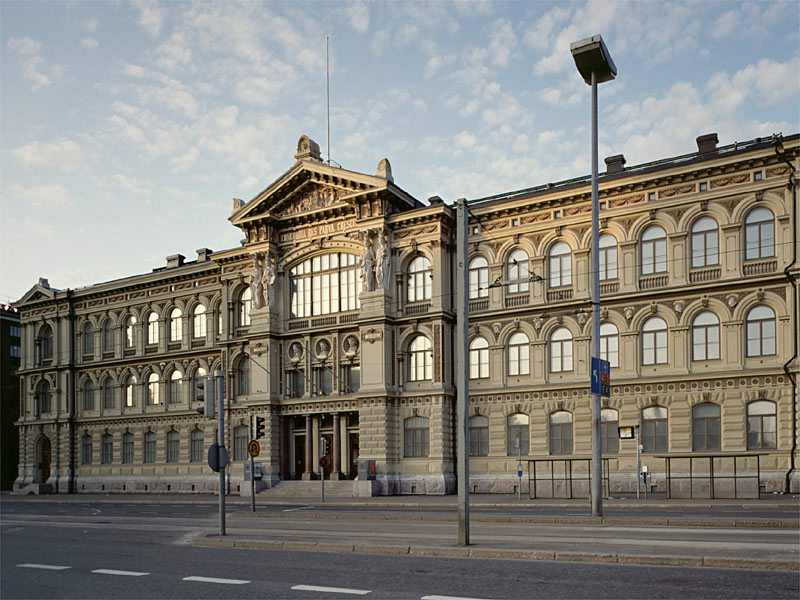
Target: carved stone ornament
295,352
315,199
350,346
496,328
538,322
323,349
679,306
704,301
629,312
582,318
732,300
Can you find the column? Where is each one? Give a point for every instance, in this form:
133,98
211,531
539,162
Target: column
308,473
336,472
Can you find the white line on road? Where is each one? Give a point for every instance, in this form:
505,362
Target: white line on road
47,567
216,580
330,590
447,598
296,509
114,572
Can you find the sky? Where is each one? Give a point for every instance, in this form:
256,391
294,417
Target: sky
128,127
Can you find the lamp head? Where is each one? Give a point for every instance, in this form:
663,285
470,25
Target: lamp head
591,55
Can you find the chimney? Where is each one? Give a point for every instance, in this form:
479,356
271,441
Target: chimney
175,260
44,283
707,144
435,200
203,254
615,164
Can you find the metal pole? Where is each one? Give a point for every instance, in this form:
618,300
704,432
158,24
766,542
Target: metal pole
462,370
252,471
638,463
519,466
597,450
221,442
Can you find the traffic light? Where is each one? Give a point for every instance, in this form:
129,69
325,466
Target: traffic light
324,447
204,392
260,427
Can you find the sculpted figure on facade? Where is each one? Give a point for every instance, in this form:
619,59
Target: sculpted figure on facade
262,282
382,264
367,264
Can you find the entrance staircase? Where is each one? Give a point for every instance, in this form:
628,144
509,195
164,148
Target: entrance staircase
309,489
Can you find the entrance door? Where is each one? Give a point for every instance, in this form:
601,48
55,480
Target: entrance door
43,458
299,456
353,441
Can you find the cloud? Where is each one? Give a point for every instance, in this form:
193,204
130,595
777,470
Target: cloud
31,62
502,42
89,25
766,83
175,53
358,16
151,19
62,154
184,162
88,42
41,196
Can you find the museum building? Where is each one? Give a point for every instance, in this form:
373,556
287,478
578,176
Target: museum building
335,321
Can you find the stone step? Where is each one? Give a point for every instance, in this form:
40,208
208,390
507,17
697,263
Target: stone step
309,489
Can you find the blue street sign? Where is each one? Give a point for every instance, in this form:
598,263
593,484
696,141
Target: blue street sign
601,377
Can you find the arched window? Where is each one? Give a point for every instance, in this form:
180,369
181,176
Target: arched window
130,332
759,234
517,435
561,350
705,242
761,331
127,448
654,250
197,443
517,273
245,304
107,449
240,437
87,393
152,328
43,397
199,322
175,387
86,449
654,342
609,421
705,336
175,325
561,432
46,340
243,376
560,265
420,364
608,257
519,354
479,436
609,343
705,427
108,336
149,447
324,284
152,390
173,446
420,280
108,393
762,426
129,388
415,437
478,278
479,358
654,429
87,338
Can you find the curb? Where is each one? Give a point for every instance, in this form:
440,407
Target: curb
214,541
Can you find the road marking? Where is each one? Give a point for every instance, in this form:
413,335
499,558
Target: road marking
216,580
115,572
296,509
447,598
47,567
330,590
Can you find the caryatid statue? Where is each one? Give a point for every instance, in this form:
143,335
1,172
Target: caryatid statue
262,283
382,264
367,264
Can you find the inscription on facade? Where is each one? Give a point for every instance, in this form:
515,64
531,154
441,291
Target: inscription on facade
319,230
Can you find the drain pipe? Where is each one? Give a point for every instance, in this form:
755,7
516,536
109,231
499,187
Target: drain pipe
780,152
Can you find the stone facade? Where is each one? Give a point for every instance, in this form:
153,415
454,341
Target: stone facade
335,321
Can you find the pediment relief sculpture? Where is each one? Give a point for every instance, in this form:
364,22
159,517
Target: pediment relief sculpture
321,197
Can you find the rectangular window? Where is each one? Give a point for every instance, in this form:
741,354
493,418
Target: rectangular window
654,435
610,437
196,449
86,450
108,450
127,449
240,438
479,441
150,448
173,447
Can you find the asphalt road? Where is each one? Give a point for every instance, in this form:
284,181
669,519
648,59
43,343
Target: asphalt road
95,559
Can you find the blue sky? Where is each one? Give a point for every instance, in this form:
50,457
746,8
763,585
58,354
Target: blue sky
128,127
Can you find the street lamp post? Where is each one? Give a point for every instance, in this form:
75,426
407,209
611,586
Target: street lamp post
595,66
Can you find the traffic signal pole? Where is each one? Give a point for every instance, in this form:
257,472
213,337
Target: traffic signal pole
252,471
220,383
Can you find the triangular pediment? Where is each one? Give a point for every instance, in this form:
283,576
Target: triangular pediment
35,294
310,187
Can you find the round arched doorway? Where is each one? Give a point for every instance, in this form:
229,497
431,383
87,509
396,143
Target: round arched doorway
43,458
